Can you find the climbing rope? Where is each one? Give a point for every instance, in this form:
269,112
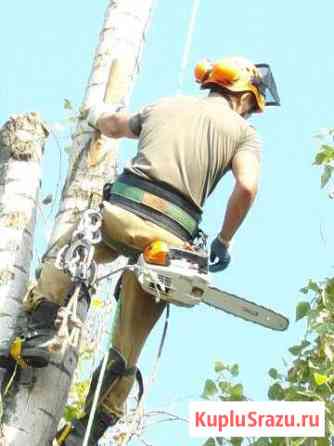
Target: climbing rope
133,425
96,399
76,259
69,325
184,64
187,47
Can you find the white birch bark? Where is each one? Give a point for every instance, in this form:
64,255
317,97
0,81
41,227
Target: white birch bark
22,141
35,410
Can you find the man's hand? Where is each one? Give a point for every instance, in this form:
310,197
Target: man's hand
219,250
111,120
99,109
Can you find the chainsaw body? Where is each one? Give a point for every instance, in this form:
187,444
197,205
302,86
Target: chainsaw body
181,277
183,281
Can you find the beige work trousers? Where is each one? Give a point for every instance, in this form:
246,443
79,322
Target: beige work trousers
137,311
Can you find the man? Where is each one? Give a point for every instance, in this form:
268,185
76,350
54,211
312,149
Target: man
185,146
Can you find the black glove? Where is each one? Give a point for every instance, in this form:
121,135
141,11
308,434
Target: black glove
219,250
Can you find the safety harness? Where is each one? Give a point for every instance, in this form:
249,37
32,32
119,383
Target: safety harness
156,202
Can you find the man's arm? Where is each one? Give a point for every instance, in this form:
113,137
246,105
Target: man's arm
116,125
113,121
246,171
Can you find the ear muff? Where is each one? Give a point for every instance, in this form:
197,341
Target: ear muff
202,70
224,73
221,72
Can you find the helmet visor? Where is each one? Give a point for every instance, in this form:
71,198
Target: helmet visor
267,85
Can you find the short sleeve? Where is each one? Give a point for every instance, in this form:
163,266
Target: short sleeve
250,142
136,123
137,120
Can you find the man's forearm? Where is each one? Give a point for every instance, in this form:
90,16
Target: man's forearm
238,205
111,120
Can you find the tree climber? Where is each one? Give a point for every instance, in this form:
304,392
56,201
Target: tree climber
185,146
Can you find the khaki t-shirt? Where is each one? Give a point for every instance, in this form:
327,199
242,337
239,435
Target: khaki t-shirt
189,143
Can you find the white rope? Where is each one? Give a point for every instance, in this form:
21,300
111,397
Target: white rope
184,64
135,419
187,47
69,324
96,399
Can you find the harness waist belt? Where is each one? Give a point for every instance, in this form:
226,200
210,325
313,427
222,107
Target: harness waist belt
158,203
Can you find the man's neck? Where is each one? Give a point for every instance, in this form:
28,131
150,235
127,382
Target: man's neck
214,94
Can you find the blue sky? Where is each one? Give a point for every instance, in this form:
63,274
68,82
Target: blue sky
47,51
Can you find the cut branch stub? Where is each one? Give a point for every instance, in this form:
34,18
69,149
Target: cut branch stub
23,137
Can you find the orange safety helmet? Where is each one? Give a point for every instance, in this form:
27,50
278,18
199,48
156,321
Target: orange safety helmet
239,75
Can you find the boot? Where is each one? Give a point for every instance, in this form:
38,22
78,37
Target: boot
102,422
40,331
116,368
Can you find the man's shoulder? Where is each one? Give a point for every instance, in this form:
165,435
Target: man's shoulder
178,99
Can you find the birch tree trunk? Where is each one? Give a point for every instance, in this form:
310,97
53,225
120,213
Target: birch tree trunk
22,141
36,409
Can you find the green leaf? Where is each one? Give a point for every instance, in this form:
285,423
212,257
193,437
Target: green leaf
210,389
234,370
320,379
237,392
273,373
219,366
261,442
67,105
298,441
302,310
328,149
322,442
295,350
209,442
276,392
72,412
224,386
326,155
330,287
313,286
324,328
326,175
310,395
236,441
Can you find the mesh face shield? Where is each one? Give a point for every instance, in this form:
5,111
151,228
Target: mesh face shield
267,85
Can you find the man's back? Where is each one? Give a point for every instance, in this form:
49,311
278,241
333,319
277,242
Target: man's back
189,143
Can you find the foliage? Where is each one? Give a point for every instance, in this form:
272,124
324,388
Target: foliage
325,157
95,341
224,387
69,126
310,376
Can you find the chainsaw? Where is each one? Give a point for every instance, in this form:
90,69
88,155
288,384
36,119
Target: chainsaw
180,276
